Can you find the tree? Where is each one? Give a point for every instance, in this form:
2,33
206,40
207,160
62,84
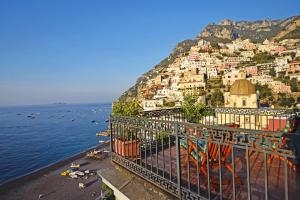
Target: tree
286,101
127,108
217,98
294,85
291,101
265,93
193,110
263,57
169,104
272,72
283,102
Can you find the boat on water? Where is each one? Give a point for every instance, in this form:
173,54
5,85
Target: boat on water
102,133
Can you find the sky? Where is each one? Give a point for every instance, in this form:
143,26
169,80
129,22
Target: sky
81,51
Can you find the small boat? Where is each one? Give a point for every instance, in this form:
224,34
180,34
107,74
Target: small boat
73,165
74,176
101,141
78,173
102,134
93,121
65,173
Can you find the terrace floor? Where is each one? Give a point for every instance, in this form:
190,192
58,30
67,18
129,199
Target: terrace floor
165,165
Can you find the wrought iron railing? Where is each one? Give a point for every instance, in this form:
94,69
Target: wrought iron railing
248,118
199,161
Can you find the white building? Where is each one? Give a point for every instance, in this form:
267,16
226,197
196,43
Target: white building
152,104
212,72
261,79
161,93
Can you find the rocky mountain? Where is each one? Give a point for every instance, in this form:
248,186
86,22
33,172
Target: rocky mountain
226,31
257,31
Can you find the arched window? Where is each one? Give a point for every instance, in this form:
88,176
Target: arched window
244,102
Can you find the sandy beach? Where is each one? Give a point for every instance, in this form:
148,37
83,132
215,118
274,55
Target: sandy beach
49,184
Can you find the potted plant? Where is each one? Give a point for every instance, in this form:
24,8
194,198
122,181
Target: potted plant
127,144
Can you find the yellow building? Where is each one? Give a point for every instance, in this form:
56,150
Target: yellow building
192,84
242,94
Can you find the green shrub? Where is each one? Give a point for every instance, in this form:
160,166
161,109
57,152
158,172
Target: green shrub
110,194
263,57
193,110
127,108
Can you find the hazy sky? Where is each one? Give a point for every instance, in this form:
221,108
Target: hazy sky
92,50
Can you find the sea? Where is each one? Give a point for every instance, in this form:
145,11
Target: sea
32,137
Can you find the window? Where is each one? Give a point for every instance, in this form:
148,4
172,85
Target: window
244,102
234,104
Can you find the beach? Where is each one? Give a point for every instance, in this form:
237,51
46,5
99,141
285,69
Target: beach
47,183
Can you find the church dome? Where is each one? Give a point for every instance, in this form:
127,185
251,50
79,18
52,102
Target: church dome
242,87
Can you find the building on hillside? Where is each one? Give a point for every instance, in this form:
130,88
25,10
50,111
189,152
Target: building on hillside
230,77
212,72
261,79
204,45
227,51
251,70
162,93
194,56
297,53
192,84
248,54
279,87
281,63
242,94
236,59
152,104
293,70
174,80
278,49
157,80
242,110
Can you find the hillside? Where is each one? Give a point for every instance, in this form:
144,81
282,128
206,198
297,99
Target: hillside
226,31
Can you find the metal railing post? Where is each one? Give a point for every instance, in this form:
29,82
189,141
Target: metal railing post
111,135
178,160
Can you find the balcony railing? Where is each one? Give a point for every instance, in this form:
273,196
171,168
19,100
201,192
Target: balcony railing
248,118
208,161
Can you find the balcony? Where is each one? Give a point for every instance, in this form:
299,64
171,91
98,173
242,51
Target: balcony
230,154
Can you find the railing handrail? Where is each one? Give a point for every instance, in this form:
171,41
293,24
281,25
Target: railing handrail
271,111
265,140
216,127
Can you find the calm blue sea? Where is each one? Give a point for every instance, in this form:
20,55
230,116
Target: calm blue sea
35,136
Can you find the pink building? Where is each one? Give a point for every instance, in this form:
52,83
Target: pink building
293,68
279,49
251,70
194,56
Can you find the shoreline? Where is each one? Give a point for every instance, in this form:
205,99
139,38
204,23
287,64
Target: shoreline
23,179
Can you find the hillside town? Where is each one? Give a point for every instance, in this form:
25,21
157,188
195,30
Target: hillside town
209,69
